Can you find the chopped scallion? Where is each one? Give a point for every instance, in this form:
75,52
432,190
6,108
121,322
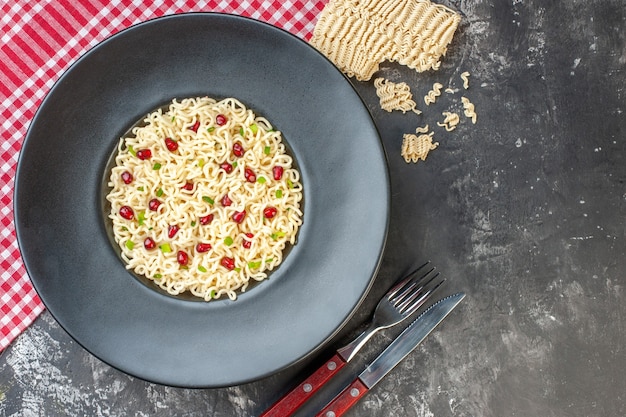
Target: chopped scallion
254,128
208,199
201,163
201,268
158,276
261,180
234,164
159,192
213,294
156,166
211,129
228,240
241,131
131,151
140,188
141,218
289,184
165,248
279,193
254,265
267,150
130,245
237,269
193,224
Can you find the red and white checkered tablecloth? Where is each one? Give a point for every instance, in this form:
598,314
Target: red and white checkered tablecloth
40,40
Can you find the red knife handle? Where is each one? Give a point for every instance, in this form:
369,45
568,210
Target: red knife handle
297,396
346,399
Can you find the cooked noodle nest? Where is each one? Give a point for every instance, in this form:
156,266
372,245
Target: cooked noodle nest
192,184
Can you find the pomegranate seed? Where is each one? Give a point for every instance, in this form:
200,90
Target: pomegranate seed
221,120
226,167
238,149
195,126
149,243
182,257
248,243
188,186
172,230
203,247
171,144
228,263
154,204
250,175
144,154
269,212
278,172
127,212
127,177
206,219
238,216
226,201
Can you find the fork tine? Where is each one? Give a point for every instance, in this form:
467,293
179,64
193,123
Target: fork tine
409,286
414,289
404,282
412,304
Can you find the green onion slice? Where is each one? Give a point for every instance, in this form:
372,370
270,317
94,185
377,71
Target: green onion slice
165,248
211,129
254,128
141,217
261,180
201,268
159,192
130,245
131,151
228,240
279,193
208,199
267,150
156,166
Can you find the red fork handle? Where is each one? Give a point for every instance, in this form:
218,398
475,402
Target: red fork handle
346,399
289,403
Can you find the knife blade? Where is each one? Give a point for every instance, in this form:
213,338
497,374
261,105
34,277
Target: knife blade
404,344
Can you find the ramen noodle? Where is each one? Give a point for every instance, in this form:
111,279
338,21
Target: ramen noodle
395,96
416,147
204,198
432,95
465,77
469,110
450,122
357,35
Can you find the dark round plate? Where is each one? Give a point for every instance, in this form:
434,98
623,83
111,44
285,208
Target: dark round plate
61,223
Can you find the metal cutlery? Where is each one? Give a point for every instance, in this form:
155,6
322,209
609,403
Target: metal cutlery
400,301
408,340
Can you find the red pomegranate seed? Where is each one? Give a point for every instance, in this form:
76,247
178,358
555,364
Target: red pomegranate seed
172,230
149,243
127,177
171,144
238,149
250,175
238,216
278,172
206,219
226,201
226,167
203,247
269,212
188,186
195,126
154,204
228,263
144,154
221,120
182,257
127,212
248,243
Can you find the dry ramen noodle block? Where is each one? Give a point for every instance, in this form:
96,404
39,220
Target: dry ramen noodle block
395,96
357,35
416,147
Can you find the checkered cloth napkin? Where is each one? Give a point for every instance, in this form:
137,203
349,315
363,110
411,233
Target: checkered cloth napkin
40,40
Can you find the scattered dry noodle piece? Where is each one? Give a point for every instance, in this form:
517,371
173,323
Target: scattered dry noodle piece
469,109
465,77
395,96
416,147
450,121
357,35
432,95
422,129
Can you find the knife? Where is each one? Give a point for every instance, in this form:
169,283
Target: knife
408,340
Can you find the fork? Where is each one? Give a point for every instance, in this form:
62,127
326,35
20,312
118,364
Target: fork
400,301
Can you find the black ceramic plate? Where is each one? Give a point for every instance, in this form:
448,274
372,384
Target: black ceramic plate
61,223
